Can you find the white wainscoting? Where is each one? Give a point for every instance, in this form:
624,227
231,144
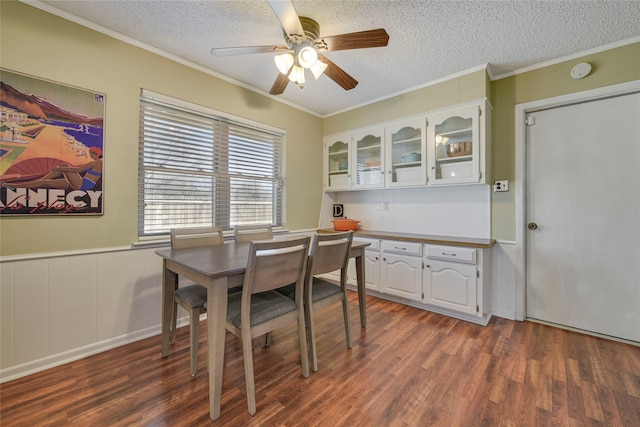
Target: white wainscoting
59,308
503,280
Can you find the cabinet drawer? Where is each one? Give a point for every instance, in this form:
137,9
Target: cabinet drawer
374,244
452,253
404,248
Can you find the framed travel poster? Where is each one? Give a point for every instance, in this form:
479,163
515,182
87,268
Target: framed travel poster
51,147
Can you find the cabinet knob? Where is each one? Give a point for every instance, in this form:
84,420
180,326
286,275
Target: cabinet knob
532,226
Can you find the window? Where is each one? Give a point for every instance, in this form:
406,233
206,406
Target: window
198,168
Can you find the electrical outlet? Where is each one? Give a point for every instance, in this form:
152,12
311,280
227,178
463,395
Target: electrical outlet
500,186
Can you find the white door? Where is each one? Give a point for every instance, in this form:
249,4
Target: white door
583,193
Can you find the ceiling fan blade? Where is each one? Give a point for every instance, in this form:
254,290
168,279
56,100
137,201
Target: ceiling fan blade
288,17
245,50
337,74
279,85
358,40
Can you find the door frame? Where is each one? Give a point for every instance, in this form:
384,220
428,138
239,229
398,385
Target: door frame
521,173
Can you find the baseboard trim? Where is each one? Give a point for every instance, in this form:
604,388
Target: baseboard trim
484,320
583,331
504,314
52,361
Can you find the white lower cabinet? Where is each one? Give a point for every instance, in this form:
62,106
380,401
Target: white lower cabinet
401,269
450,285
372,270
371,265
450,280
458,280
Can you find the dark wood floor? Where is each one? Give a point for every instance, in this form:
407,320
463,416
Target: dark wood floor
407,368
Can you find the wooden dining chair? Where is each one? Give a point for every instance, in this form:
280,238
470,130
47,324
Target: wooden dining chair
259,309
193,297
248,232
329,252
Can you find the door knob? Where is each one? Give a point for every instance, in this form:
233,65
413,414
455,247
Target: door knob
532,226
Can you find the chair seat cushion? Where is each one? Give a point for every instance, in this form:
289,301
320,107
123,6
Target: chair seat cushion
288,291
264,306
230,291
323,289
192,295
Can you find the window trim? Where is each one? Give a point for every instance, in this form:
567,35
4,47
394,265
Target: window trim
192,108
176,103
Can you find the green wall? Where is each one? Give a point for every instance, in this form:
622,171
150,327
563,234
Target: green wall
44,45
450,92
609,67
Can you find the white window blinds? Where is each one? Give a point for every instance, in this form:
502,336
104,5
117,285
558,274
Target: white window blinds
197,169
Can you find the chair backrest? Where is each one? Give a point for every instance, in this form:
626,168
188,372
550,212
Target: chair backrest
247,233
184,238
275,263
329,252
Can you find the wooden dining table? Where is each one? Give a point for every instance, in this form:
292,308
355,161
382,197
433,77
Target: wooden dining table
218,268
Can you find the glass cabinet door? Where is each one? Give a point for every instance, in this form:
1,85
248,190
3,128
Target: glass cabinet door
338,162
454,139
369,167
406,143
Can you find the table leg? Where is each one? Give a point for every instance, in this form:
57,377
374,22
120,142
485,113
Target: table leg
361,287
169,286
216,329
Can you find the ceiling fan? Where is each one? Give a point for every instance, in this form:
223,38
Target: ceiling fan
304,46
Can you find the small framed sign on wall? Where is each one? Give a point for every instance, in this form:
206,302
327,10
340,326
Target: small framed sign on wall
51,147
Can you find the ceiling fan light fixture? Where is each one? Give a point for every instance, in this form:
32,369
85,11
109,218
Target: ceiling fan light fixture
297,74
307,56
318,68
284,62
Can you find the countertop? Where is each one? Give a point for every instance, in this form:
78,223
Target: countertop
421,238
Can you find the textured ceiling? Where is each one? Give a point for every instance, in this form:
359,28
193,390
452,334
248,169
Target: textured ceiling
429,40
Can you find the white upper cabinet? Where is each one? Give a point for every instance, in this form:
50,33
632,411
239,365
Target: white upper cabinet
337,168
368,158
457,143
405,153
446,147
